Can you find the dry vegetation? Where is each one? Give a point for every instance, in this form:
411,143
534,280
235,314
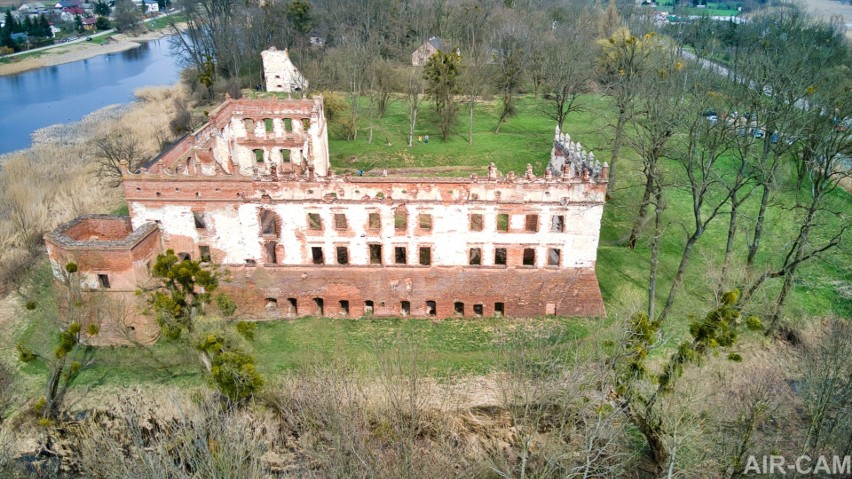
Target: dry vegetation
57,178
548,415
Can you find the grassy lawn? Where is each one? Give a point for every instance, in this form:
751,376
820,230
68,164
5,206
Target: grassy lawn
441,347
525,138
165,21
473,346
714,9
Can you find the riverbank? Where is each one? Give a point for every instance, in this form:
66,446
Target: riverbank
80,51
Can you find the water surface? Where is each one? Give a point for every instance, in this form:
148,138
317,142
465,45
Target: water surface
68,92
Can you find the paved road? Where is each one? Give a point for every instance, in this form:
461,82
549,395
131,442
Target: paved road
83,38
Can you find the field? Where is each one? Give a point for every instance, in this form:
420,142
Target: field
473,346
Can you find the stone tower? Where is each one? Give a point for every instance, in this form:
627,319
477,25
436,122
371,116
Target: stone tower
279,72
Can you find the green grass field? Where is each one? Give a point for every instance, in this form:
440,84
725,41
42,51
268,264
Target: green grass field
471,346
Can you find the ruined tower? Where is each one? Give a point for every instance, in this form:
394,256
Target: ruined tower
279,73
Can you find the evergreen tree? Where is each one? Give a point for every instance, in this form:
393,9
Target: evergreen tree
102,9
78,23
42,27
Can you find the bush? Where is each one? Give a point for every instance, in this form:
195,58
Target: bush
102,23
235,376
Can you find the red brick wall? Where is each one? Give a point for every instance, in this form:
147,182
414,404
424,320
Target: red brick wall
525,292
100,229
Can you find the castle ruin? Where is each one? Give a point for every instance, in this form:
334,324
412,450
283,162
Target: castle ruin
253,192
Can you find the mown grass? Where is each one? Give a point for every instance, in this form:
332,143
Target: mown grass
472,346
165,21
454,346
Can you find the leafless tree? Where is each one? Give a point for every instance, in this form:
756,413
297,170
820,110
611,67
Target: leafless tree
113,149
825,365
414,92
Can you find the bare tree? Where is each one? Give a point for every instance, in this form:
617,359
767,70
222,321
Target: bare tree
825,365
568,67
414,92
624,59
473,84
113,149
815,235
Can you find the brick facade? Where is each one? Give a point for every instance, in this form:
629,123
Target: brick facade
253,191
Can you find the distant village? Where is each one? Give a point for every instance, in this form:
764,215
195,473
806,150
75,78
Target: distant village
38,24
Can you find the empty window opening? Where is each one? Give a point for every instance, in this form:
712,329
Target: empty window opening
204,253
478,310
374,221
476,222
499,310
405,308
267,122
286,156
292,306
288,124
184,256
344,307
529,257
503,222
268,223
316,255
531,223
500,256
553,255
475,256
557,224
314,221
400,255
258,155
400,219
458,308
375,254
320,306
103,279
271,305
342,255
368,307
249,126
198,216
339,221
431,308
425,222
306,123
269,249
425,255
251,262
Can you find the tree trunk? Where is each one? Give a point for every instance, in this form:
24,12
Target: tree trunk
655,248
616,149
653,436
370,134
470,124
51,392
758,227
643,207
779,303
729,245
684,260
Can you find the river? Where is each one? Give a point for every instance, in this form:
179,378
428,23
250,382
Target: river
68,92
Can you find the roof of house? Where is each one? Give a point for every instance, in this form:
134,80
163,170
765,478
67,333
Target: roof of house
69,3
436,42
90,21
31,6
